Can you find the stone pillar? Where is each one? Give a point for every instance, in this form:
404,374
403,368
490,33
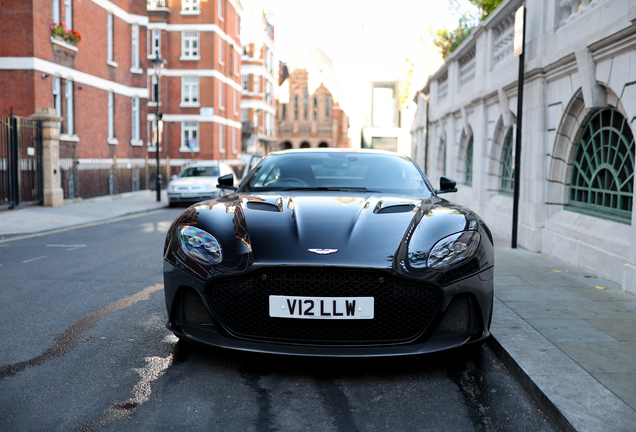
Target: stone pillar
53,193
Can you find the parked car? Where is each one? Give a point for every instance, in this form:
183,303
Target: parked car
330,253
196,182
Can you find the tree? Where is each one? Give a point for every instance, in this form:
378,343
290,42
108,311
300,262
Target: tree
486,7
448,40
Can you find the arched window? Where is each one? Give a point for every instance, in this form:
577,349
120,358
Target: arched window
305,145
507,166
469,162
296,107
323,144
305,103
286,145
603,168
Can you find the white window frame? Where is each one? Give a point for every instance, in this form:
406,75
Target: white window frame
221,10
234,149
257,84
236,63
68,14
245,115
220,50
221,139
245,83
57,100
151,96
187,128
155,43
134,48
111,119
190,7
190,91
221,95
135,132
235,101
110,23
237,25
56,11
188,50
70,120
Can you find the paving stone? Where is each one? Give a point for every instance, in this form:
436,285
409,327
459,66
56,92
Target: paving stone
622,385
621,329
582,310
569,330
602,357
531,294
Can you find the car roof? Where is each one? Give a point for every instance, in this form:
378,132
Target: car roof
204,164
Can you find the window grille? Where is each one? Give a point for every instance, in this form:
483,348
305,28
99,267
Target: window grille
507,166
469,162
603,170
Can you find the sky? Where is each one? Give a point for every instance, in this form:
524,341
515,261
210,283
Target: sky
368,40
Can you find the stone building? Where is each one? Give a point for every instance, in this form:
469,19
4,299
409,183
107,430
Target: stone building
309,114
579,112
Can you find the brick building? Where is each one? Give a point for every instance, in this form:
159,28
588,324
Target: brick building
258,106
84,59
90,59
200,88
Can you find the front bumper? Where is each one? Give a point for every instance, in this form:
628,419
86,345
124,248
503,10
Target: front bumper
193,316
178,197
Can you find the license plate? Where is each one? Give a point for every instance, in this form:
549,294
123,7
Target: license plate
189,195
340,308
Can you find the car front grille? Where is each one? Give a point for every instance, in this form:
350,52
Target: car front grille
402,309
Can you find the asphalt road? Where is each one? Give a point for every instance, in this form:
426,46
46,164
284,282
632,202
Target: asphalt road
84,347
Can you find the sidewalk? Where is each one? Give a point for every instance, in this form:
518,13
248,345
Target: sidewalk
567,336
35,219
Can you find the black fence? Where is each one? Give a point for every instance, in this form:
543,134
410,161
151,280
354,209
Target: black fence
21,180
89,180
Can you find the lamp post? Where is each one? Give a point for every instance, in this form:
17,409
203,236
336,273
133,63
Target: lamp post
158,64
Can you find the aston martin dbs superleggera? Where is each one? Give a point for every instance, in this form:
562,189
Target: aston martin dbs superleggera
330,253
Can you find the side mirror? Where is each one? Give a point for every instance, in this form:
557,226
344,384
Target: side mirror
226,182
446,185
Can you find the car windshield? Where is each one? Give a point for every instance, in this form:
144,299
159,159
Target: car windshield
200,171
350,171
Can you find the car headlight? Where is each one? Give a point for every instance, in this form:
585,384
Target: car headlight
453,249
199,245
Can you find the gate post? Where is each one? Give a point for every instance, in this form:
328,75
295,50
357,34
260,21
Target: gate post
53,193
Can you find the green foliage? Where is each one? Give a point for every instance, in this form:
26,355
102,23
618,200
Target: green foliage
447,41
486,7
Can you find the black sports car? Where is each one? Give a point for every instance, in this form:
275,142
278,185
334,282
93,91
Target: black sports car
330,253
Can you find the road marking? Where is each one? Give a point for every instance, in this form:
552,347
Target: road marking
66,246
64,342
34,259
